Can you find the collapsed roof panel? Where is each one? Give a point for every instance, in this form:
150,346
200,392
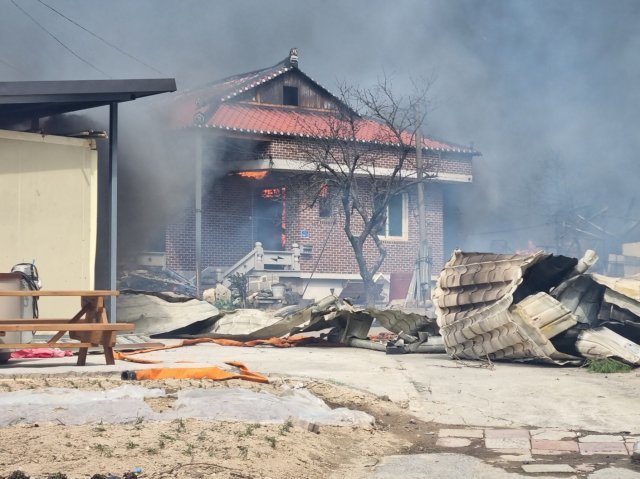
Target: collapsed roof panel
511,306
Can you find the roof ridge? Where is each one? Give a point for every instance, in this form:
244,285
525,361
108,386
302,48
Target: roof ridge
227,79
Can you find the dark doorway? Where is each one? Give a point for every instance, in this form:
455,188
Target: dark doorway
271,216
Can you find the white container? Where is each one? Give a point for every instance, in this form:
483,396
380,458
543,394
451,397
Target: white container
278,290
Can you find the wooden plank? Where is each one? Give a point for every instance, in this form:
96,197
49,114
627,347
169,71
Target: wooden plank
68,327
45,345
37,321
84,294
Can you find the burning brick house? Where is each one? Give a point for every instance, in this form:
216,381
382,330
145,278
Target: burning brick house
254,126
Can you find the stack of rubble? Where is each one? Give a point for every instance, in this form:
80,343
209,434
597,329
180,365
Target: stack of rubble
536,307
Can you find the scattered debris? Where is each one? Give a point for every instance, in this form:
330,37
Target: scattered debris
536,307
156,279
169,313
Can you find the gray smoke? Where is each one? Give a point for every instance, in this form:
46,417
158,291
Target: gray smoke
547,90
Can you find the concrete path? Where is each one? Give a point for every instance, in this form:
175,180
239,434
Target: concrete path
460,466
547,421
434,387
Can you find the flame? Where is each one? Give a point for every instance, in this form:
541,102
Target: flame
256,175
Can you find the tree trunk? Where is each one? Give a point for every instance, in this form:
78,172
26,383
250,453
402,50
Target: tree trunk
370,292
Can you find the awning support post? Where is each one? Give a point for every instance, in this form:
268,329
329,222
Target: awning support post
198,208
113,206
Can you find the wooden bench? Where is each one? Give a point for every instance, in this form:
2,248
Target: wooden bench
90,326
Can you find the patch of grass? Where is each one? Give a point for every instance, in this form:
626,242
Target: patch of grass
272,441
168,437
152,451
104,450
131,445
607,366
189,450
181,426
138,423
285,428
244,451
249,430
57,475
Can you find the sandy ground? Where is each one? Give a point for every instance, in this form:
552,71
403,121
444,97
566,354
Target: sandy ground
194,448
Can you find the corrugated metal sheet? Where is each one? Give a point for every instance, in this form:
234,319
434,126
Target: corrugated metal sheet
474,305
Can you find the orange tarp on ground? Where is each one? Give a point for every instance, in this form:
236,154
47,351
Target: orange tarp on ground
210,372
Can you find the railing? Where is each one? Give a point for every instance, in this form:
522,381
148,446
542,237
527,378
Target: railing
260,260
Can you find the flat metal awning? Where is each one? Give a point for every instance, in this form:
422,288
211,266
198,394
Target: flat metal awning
31,100
20,101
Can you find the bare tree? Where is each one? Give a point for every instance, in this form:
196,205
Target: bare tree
362,154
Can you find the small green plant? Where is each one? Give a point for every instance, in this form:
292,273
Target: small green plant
244,451
17,475
272,441
168,437
607,366
224,304
152,451
138,423
57,475
249,430
104,450
181,426
131,445
161,444
189,450
285,428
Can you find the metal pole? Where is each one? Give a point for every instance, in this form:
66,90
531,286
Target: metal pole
198,207
424,276
113,206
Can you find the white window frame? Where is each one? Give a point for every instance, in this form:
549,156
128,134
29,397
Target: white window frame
405,222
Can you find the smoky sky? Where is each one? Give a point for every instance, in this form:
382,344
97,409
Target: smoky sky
546,90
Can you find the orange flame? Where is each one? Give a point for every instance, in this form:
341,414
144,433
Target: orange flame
256,175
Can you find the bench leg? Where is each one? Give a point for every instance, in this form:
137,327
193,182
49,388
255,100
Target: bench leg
82,356
108,341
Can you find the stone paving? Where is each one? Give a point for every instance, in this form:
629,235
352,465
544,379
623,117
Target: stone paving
529,446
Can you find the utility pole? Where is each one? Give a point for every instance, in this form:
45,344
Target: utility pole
423,278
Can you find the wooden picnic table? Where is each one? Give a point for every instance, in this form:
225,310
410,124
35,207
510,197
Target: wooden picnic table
90,326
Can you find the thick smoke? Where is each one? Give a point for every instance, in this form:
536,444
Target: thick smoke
546,90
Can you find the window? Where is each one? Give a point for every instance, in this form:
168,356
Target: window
324,202
396,224
290,95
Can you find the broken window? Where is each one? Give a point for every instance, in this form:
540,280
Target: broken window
290,95
396,221
324,202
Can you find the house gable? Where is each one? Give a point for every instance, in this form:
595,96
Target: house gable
308,93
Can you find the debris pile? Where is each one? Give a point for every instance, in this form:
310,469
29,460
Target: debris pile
177,316
156,279
536,307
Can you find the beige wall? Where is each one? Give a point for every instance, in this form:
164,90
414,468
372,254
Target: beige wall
48,211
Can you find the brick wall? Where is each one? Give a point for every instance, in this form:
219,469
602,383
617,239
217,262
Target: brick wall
229,225
291,149
338,254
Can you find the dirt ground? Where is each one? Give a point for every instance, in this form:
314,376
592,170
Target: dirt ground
201,449
194,448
